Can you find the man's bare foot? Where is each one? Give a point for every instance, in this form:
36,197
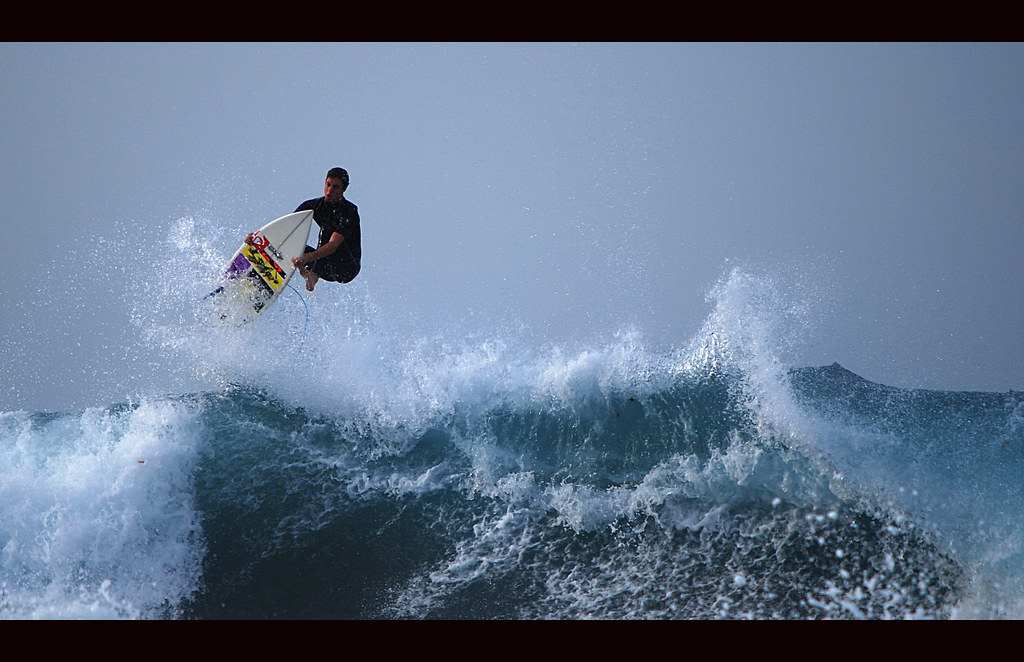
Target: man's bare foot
310,276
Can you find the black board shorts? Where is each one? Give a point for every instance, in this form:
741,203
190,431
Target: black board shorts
340,269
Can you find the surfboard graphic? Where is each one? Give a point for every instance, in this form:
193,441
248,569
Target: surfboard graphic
256,274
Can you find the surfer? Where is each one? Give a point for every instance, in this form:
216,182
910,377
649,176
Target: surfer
338,253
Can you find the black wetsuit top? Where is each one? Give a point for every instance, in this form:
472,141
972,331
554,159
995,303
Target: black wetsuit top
341,217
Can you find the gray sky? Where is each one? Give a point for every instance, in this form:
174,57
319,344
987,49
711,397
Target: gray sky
573,188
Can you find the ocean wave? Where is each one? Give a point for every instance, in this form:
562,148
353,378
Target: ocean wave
340,470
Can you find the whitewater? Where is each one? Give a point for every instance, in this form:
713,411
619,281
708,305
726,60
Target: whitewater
493,477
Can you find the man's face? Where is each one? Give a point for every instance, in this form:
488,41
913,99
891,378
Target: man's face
333,188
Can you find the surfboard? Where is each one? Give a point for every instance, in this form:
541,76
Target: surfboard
257,274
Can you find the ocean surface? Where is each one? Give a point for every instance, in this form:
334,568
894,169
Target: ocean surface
466,477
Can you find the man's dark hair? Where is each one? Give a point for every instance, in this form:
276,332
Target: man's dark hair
338,173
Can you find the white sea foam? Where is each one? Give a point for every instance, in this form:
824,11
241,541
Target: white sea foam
97,518
66,496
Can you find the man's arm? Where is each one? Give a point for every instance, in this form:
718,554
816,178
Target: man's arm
332,245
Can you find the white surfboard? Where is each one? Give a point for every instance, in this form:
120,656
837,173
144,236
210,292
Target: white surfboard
257,274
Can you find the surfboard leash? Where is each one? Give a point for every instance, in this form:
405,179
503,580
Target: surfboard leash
304,305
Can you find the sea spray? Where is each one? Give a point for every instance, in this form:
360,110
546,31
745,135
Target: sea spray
362,472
